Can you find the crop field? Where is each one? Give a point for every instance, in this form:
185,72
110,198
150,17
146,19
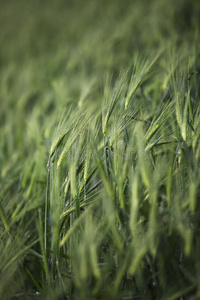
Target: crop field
100,149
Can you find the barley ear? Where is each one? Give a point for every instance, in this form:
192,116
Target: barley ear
115,97
57,142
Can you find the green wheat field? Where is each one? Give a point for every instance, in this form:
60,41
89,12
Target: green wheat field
100,149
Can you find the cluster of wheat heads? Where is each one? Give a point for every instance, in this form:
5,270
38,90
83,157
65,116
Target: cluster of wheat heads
122,190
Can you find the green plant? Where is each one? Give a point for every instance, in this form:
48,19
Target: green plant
99,150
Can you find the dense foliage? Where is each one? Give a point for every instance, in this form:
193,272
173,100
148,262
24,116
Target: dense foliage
99,149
